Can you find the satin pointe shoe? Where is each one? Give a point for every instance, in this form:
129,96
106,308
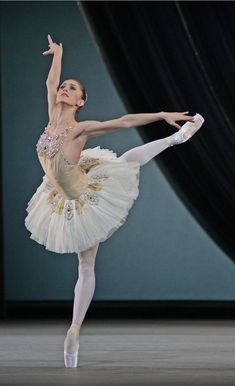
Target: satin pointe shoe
71,346
186,131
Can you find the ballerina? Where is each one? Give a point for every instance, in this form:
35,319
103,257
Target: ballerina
86,194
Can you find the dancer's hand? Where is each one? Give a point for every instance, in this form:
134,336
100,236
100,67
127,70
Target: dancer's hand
171,118
54,47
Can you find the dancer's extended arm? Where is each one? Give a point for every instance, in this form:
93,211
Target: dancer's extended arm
140,119
95,128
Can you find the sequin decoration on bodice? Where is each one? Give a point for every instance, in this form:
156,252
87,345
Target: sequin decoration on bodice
49,145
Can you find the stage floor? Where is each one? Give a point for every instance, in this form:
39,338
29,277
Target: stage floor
119,352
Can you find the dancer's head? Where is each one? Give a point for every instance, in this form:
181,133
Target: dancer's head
74,94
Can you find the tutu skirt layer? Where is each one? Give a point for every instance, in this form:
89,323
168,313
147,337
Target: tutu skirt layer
68,226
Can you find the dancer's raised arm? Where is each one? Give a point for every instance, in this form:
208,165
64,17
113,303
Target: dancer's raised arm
53,79
55,70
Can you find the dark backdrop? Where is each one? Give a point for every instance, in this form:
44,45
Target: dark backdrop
180,56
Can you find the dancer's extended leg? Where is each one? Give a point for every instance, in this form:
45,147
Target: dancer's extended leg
83,291
144,153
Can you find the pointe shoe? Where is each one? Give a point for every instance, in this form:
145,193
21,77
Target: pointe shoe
186,131
71,346
71,360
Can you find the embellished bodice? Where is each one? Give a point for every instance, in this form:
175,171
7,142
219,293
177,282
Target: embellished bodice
49,145
68,179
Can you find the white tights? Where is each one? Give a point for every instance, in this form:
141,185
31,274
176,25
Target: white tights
85,286
83,293
144,153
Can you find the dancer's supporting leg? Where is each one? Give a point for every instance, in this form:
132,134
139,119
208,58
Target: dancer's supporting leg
83,291
146,152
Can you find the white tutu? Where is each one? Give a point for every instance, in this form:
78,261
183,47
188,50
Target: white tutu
78,225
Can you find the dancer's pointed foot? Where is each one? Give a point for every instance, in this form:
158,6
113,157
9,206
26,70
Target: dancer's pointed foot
71,346
186,131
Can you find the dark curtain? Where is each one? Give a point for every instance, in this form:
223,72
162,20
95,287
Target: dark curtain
2,279
179,56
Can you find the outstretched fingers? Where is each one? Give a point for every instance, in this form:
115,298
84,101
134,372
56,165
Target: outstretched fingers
54,47
49,40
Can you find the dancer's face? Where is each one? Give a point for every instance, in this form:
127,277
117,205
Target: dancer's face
70,92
